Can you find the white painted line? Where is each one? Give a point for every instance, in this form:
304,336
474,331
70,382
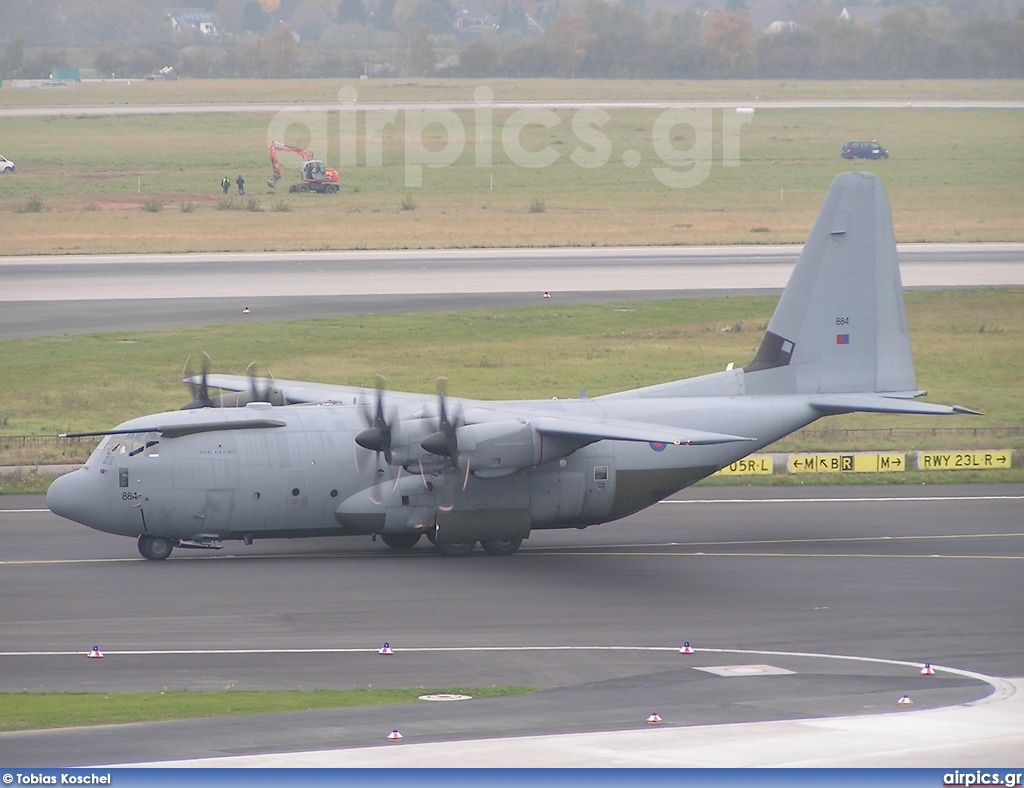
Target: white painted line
901,499
1002,689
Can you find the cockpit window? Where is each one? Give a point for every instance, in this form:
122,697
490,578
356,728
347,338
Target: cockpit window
146,444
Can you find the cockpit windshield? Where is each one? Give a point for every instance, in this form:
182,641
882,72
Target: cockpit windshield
135,444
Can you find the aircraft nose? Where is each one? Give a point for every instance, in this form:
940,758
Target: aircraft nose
73,496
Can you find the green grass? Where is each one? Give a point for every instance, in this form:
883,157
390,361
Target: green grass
954,175
278,91
966,348
25,483
33,711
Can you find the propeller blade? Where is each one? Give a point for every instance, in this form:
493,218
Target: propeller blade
377,435
444,442
200,391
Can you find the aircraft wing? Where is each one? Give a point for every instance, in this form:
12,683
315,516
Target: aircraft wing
831,404
295,391
596,429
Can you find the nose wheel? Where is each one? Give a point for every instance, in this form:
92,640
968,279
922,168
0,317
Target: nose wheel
155,548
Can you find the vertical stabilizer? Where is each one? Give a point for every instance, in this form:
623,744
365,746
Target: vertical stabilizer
840,325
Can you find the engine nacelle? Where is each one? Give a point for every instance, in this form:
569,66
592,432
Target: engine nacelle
405,445
493,449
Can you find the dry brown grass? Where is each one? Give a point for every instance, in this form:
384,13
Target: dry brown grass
117,229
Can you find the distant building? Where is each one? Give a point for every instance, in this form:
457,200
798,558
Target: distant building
473,19
166,74
867,15
776,16
65,74
193,20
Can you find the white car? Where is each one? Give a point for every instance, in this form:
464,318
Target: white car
6,165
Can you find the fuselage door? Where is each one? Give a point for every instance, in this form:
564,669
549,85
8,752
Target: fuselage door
600,487
217,514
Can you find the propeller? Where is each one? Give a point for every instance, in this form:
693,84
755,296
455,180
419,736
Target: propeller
268,393
444,442
200,391
377,435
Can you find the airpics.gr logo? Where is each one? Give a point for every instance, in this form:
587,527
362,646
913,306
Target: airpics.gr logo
680,138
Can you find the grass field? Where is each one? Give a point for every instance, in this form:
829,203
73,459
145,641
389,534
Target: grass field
278,91
954,175
21,711
966,349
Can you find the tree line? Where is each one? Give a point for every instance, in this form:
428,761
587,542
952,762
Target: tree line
595,40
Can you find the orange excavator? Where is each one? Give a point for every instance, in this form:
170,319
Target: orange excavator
315,177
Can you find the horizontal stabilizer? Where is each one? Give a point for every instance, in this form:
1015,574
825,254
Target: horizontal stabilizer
616,430
832,404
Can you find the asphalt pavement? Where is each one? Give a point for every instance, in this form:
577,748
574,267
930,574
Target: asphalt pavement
593,619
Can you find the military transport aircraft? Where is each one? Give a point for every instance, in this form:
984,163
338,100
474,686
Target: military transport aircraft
294,459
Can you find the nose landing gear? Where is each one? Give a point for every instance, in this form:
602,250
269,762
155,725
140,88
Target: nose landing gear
155,548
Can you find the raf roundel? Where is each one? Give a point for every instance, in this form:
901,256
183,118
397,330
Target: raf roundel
658,446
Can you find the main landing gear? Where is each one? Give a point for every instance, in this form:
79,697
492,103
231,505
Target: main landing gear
450,549
400,541
501,546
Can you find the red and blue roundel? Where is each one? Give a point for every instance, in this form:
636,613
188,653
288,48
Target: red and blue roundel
658,445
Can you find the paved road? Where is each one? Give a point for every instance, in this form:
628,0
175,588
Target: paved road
104,110
71,294
908,574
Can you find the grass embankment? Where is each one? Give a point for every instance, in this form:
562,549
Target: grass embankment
966,348
33,711
150,183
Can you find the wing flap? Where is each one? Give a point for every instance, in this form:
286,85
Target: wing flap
618,430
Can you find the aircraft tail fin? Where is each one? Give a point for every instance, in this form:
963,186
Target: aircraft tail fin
840,325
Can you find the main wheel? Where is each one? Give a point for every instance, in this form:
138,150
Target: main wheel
155,548
400,541
332,189
501,546
455,549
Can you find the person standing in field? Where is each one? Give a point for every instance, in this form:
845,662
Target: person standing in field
241,184
225,184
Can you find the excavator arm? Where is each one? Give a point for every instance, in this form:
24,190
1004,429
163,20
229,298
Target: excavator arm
280,146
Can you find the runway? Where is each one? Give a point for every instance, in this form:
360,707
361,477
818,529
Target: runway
348,105
593,619
73,294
